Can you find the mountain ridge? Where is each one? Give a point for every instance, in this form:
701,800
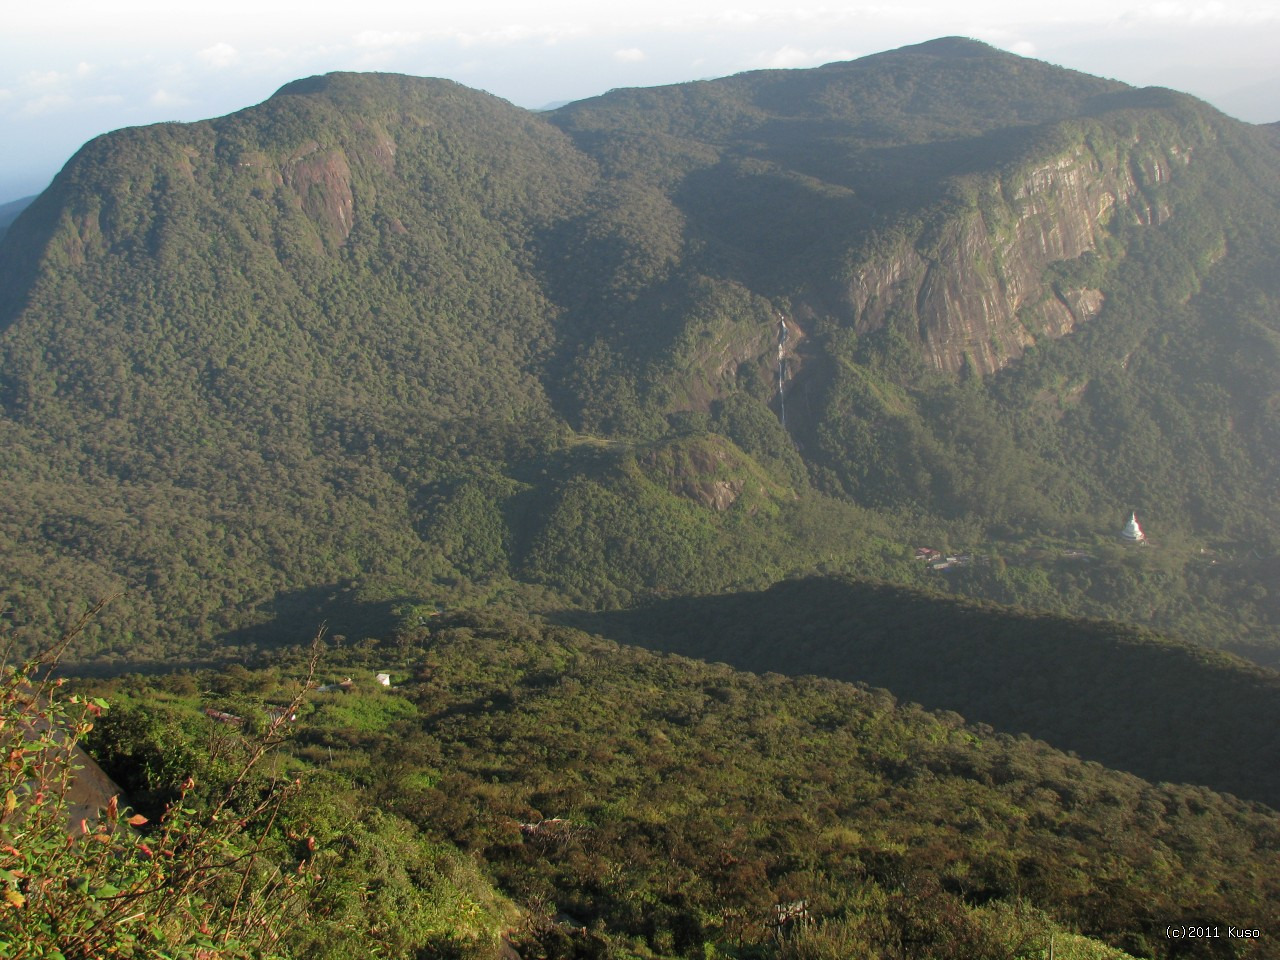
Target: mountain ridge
372,310
855,372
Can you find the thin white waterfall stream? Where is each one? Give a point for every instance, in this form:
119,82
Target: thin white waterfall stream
782,368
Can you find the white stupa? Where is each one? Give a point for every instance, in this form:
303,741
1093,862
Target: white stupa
1132,533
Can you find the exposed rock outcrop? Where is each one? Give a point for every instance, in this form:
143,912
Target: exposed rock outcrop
322,181
978,292
711,472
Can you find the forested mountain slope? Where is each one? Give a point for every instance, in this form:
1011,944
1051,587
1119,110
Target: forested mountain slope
382,336
1115,694
628,803
385,350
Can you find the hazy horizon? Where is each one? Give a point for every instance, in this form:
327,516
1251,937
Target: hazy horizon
94,70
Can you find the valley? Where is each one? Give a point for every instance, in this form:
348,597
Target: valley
730,475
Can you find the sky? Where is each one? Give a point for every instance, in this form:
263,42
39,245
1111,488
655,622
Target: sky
72,69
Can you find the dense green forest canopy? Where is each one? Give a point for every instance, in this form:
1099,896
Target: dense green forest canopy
585,799
383,346
1115,694
380,336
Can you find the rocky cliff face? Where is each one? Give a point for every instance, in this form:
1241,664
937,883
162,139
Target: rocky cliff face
978,294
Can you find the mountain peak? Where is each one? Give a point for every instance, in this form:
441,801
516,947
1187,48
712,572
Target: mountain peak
348,86
951,47
391,271
306,85
939,49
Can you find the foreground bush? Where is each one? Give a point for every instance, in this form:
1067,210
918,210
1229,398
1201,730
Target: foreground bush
197,884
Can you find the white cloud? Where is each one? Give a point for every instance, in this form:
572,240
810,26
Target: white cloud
164,98
788,57
220,55
73,68
44,79
1204,13
1004,38
385,38
736,18
514,33
47,103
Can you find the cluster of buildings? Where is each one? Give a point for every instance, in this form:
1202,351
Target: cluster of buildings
1131,533
937,561
275,714
382,679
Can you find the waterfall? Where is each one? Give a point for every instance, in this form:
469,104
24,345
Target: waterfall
782,368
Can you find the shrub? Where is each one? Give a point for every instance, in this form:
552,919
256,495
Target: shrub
204,885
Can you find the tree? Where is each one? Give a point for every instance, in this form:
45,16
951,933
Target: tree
204,885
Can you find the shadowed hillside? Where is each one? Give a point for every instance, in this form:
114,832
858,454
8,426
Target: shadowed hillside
626,802
1130,699
389,335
